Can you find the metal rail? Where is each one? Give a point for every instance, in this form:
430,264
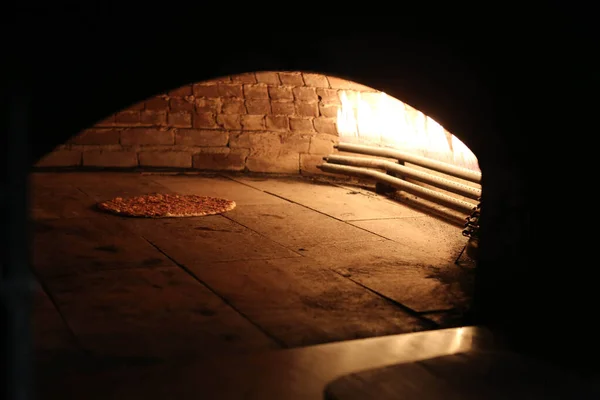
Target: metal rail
390,166
439,166
428,194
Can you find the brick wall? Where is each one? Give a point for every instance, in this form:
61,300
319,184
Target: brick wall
281,122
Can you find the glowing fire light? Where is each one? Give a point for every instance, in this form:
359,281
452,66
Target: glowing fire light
378,119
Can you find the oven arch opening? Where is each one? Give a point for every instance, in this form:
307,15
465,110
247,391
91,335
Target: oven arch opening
225,114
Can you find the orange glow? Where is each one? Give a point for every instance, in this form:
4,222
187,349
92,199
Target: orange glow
378,119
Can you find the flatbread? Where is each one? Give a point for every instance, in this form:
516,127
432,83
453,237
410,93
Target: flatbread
157,205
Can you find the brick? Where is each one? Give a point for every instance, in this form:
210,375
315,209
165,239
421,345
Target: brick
328,97
301,125
157,104
229,121
265,144
293,143
328,111
240,140
224,160
282,164
277,123
108,121
280,93
173,159
414,117
230,90
115,159
60,158
179,119
201,137
338,83
244,78
315,80
269,78
97,136
307,109
233,106
100,147
291,78
208,105
258,106
256,92
204,120
283,108
322,144
153,117
350,95
253,122
223,79
127,117
373,99
305,94
210,91
137,136
179,104
325,125
182,91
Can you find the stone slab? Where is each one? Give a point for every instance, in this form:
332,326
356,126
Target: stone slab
338,202
53,198
50,333
390,269
218,187
303,303
107,185
152,313
297,227
211,238
78,246
424,234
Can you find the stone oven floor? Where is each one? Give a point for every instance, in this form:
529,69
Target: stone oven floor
297,262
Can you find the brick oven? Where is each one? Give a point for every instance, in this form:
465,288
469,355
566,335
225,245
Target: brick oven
277,123
267,110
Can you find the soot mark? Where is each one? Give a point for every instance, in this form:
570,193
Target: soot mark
229,337
206,312
109,249
152,261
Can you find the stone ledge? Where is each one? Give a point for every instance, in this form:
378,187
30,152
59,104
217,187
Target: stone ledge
179,159
99,158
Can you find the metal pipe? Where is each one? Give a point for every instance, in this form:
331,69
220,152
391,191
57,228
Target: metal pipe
390,166
435,165
428,194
